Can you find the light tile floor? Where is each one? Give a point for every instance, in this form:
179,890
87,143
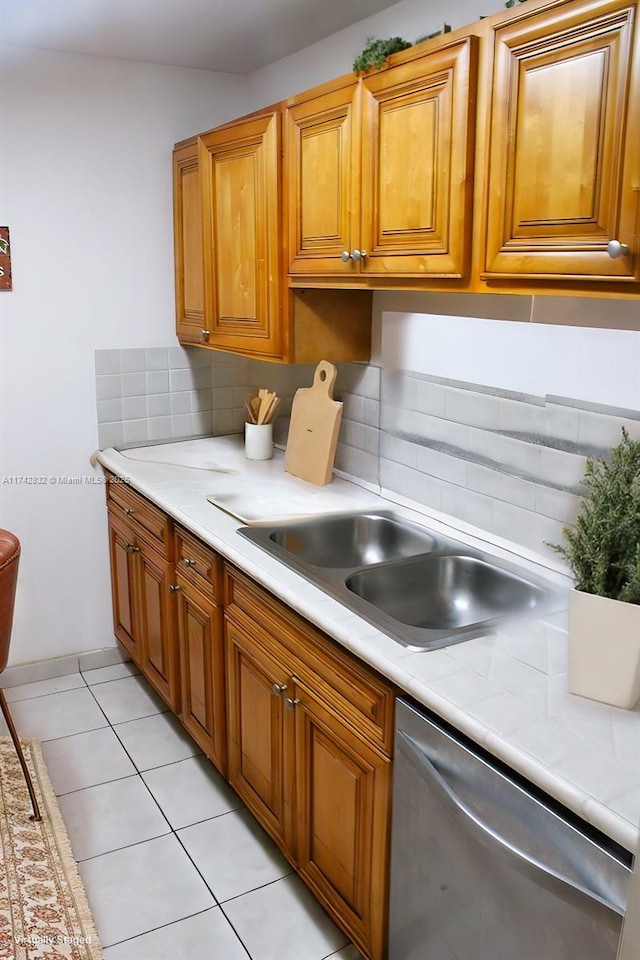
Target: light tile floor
174,866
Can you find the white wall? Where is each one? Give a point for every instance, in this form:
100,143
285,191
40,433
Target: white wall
85,187
409,19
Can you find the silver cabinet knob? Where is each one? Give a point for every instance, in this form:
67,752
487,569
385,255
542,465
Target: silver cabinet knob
345,256
359,255
174,587
188,563
616,249
291,704
204,336
131,548
279,689
128,510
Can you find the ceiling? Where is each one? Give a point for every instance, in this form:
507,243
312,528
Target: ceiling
233,36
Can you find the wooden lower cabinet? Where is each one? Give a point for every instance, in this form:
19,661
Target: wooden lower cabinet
143,607
320,787
342,789
202,670
256,692
301,729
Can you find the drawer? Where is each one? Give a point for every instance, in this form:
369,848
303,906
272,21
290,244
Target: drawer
151,523
199,564
358,694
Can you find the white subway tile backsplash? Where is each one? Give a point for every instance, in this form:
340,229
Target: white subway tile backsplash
180,402
474,409
108,362
411,483
442,465
598,430
158,381
108,387
157,358
159,405
182,425
110,435
516,456
134,408
468,505
357,463
159,428
134,361
561,468
133,384
502,486
181,380
135,431
399,450
109,411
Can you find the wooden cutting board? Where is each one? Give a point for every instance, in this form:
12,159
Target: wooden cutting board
313,431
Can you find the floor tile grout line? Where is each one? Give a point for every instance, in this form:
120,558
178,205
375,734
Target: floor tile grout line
126,846
164,926
262,886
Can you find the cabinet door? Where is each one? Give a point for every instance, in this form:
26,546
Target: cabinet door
202,671
256,691
187,232
564,146
342,817
323,177
417,164
156,623
123,586
240,176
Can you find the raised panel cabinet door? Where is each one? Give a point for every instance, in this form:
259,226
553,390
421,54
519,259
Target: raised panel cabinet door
417,164
257,687
187,232
202,671
240,176
123,586
322,145
564,157
156,619
342,821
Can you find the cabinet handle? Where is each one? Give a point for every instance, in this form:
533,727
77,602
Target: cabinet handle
279,689
616,249
131,548
189,563
204,336
129,511
174,587
358,255
291,704
345,256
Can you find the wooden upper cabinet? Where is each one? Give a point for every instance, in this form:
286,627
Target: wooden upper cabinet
564,174
381,170
240,177
322,138
417,164
187,226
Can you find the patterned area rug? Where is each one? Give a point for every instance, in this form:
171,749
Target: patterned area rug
43,907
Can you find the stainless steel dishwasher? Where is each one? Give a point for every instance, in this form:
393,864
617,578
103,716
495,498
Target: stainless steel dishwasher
485,867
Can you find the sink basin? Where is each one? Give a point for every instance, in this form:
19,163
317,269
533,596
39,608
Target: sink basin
424,590
352,541
445,592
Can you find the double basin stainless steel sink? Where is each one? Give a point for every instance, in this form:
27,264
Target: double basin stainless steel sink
423,589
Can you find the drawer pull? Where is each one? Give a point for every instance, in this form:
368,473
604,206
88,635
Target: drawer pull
279,689
189,563
291,704
129,511
174,587
131,548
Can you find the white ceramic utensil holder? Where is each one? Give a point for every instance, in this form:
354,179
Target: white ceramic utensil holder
258,441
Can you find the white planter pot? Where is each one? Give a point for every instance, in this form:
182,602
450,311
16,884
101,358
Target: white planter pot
604,649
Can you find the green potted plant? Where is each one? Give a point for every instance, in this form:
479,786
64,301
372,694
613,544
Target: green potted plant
603,550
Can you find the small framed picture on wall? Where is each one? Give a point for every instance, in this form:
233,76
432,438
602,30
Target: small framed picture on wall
5,259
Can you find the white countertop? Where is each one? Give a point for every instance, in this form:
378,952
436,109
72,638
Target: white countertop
507,691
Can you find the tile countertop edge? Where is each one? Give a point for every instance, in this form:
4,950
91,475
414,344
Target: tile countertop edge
352,632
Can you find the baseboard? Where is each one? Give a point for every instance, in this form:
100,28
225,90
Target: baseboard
61,666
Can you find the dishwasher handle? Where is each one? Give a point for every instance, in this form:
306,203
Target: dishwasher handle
486,834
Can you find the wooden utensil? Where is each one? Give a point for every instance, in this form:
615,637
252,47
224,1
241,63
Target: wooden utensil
313,431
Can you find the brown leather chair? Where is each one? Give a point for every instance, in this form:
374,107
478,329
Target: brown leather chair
9,557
